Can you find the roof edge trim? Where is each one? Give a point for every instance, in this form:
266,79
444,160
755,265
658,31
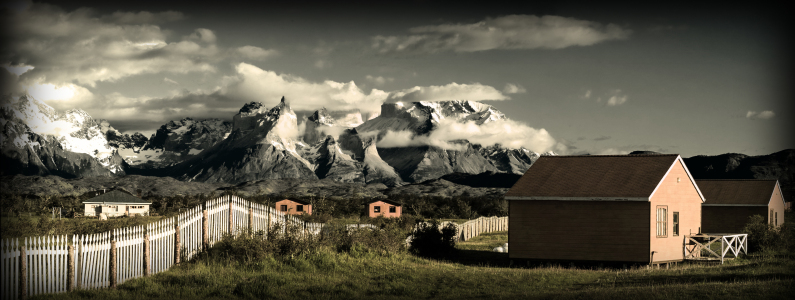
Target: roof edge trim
580,198
760,205
690,176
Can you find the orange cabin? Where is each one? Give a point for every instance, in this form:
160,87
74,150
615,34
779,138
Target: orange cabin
386,208
293,207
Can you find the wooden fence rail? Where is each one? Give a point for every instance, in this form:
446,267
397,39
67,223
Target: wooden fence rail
54,264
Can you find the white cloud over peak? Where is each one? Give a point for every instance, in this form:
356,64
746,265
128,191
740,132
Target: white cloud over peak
507,32
511,88
507,133
764,115
379,80
452,91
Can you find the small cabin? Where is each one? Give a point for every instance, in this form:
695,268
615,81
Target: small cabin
385,208
604,208
294,207
116,203
730,202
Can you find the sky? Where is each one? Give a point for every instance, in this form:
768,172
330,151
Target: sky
572,77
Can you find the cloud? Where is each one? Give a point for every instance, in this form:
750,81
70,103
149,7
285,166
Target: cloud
379,80
17,69
255,53
143,17
507,133
614,98
169,80
322,64
602,138
764,115
612,151
511,88
452,91
587,95
507,32
83,48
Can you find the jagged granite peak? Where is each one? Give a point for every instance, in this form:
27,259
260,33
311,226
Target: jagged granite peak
421,117
362,148
262,145
334,164
417,164
514,161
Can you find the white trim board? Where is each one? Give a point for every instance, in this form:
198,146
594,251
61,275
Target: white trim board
692,180
756,205
580,198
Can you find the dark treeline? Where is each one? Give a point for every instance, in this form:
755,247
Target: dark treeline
323,208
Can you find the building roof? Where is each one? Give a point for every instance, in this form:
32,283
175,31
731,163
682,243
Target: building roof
385,201
116,196
595,177
296,201
737,191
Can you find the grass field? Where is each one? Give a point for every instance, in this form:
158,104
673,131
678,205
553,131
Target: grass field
474,273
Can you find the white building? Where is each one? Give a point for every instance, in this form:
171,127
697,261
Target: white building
116,203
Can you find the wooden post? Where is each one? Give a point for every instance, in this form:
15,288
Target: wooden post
70,269
112,264
231,224
147,256
177,244
250,218
23,273
205,231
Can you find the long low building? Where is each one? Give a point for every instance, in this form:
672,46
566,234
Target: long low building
613,208
731,202
116,203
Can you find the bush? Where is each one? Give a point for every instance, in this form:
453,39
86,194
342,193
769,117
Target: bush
764,237
429,240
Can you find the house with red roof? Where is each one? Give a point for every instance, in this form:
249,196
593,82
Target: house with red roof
611,208
730,202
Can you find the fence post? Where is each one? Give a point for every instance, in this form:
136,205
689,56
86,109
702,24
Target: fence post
113,263
23,273
230,217
205,230
70,269
147,255
250,217
177,244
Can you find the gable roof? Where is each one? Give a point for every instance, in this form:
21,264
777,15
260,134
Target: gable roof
385,201
116,196
737,192
296,201
595,177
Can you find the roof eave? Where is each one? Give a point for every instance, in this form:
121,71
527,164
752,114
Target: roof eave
646,199
689,176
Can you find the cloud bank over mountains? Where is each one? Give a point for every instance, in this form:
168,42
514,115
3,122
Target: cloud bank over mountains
502,33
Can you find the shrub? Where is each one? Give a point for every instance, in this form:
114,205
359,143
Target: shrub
429,240
764,237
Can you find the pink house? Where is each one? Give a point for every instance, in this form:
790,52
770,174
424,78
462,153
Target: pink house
386,208
294,207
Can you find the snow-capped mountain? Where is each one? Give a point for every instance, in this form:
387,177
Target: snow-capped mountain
172,143
70,143
268,143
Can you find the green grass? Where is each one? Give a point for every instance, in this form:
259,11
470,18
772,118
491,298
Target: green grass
469,275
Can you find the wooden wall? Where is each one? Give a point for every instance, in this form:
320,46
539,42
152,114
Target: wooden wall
292,207
579,230
679,194
778,206
384,207
728,219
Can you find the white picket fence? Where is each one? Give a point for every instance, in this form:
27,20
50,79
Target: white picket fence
473,228
47,258
169,241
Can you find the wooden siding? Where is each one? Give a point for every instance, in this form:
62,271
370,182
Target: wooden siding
292,207
578,230
679,194
778,206
728,219
384,207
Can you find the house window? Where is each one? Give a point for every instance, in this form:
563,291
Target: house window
770,220
776,218
283,208
662,221
299,208
676,223
377,209
392,209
